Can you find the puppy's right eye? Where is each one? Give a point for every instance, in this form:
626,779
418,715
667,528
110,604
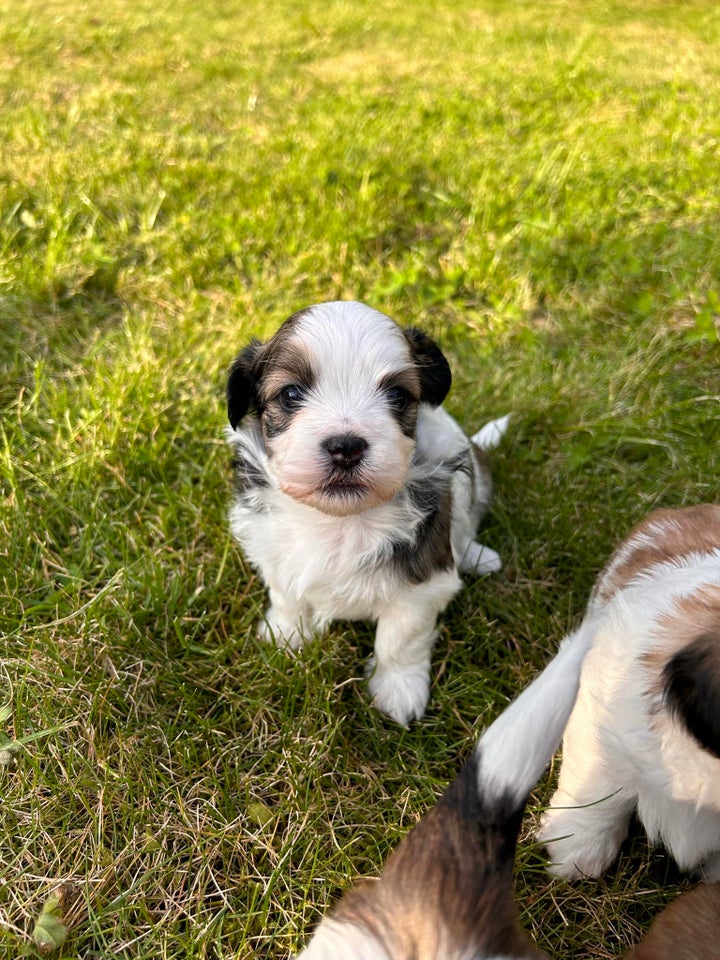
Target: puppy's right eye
398,398
290,397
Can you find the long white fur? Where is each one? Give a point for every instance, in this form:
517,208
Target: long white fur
489,436
622,750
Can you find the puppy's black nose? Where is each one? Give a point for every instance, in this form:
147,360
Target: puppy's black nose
346,450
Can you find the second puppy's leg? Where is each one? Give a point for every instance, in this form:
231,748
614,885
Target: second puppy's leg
400,670
589,812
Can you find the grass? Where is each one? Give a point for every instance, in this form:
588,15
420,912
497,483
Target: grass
536,185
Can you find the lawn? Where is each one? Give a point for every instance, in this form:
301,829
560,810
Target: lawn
534,183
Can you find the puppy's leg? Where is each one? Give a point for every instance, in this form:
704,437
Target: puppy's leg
287,621
400,670
589,812
689,831
711,868
583,830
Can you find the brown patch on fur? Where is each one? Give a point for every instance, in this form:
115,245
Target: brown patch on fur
406,379
405,414
691,617
281,362
447,889
284,360
689,929
667,535
245,391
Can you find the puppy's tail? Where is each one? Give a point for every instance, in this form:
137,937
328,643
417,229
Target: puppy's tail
691,689
516,748
489,436
446,892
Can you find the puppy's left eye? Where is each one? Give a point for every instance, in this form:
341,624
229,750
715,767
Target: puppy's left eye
398,397
290,397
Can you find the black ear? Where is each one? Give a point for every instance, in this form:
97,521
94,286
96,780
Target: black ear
691,682
434,370
242,380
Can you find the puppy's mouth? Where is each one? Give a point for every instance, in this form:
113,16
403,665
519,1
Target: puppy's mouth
344,484
342,492
344,488
344,496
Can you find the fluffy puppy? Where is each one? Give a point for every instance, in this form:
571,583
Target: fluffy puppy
357,495
645,732
446,892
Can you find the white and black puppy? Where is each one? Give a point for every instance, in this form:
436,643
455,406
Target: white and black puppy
358,496
645,732
446,893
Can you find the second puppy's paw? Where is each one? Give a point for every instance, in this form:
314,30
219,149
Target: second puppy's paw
578,845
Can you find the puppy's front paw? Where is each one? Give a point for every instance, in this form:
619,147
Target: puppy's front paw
400,692
285,635
578,844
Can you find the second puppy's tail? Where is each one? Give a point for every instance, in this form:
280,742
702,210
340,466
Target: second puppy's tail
514,751
489,436
446,892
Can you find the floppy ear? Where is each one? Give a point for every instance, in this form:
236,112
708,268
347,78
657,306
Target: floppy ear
434,370
242,381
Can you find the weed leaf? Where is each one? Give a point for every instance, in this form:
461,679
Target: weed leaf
50,932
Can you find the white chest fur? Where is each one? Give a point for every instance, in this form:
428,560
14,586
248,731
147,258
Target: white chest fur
334,565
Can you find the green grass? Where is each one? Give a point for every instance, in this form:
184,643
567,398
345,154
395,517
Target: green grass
534,183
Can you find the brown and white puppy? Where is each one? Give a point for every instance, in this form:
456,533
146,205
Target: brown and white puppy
358,496
644,735
446,892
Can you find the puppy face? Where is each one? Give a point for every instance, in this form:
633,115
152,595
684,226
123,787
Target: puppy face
336,391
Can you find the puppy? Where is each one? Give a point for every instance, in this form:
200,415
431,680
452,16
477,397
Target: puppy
357,495
446,892
645,732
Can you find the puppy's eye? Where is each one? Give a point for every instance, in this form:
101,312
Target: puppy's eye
290,397
398,397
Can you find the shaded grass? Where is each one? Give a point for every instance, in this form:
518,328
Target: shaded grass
533,184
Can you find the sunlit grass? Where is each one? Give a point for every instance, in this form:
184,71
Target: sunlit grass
536,185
